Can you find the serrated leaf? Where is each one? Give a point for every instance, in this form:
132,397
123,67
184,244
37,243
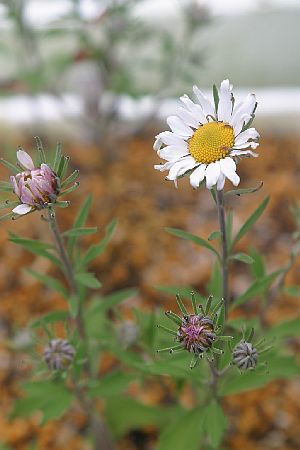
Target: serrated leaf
251,221
96,249
185,432
214,423
49,281
242,257
88,279
81,231
244,191
257,288
191,237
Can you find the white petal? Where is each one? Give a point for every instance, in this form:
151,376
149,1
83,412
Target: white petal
172,152
251,144
242,113
22,209
168,138
225,103
243,137
188,118
221,182
212,174
243,152
180,167
178,127
205,103
25,160
228,168
196,110
163,167
197,176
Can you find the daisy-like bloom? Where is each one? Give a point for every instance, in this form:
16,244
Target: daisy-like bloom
36,187
207,138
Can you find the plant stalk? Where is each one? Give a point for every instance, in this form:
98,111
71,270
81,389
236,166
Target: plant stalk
100,433
224,249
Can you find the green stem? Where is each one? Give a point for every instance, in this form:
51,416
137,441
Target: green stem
224,249
101,435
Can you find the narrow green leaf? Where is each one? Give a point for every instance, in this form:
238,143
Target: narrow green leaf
70,189
100,305
63,204
258,268
40,149
242,257
244,191
30,242
215,423
5,186
80,221
191,237
214,235
88,279
251,221
52,317
75,232
49,281
216,97
257,288
70,178
96,249
10,166
57,157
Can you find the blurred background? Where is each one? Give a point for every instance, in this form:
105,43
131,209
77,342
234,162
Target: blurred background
101,77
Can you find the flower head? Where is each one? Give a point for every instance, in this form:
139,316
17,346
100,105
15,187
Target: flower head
58,354
35,187
245,356
206,138
196,332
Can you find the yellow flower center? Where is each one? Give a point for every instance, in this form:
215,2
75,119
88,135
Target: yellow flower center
211,142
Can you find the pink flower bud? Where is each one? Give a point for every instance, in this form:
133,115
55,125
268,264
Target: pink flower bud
35,187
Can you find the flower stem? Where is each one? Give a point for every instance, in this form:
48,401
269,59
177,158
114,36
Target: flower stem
101,435
224,249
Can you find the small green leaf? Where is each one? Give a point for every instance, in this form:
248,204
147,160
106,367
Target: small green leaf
49,281
88,279
251,221
214,235
70,178
257,288
74,305
75,232
244,191
258,268
214,423
52,317
191,237
185,432
80,221
96,249
243,258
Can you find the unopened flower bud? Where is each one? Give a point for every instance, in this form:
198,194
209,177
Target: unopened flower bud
245,356
196,333
35,186
58,354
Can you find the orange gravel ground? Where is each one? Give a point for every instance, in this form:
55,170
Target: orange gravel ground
143,255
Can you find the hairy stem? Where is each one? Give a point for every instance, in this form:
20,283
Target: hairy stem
224,249
100,433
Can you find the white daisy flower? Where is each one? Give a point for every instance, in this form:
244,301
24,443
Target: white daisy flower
207,138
